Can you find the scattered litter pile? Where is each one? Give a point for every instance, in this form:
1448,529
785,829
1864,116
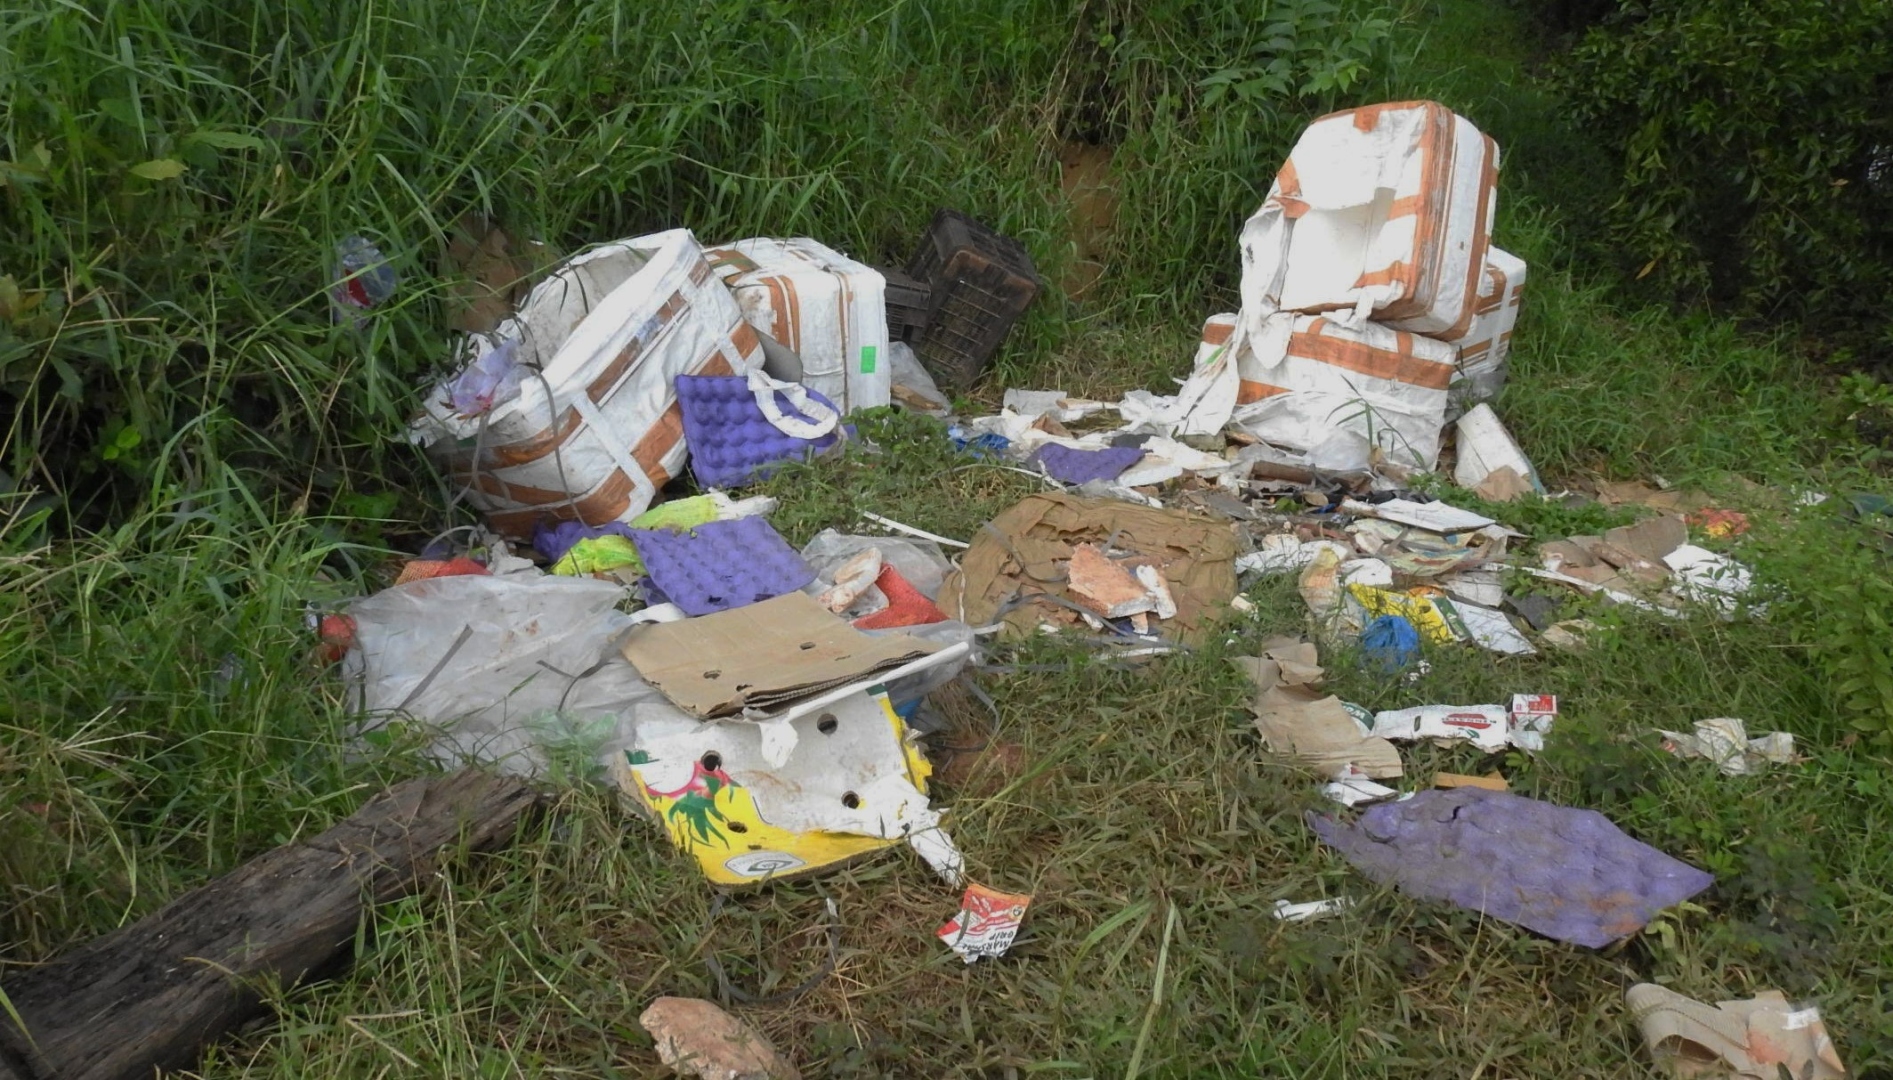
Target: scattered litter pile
762,703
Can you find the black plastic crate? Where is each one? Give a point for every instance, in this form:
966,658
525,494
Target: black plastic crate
981,282
907,302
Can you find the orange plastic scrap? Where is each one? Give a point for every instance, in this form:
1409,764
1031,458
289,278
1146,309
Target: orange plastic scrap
1721,524
423,569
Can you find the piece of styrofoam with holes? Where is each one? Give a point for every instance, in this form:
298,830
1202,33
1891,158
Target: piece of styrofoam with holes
854,770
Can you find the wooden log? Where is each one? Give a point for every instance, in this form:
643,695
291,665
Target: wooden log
152,994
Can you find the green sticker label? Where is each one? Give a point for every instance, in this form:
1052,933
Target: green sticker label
867,359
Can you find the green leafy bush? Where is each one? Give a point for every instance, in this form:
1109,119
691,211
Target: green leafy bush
1753,147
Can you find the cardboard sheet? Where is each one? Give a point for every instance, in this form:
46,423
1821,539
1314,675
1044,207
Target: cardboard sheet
1757,1039
1024,553
761,655
1295,721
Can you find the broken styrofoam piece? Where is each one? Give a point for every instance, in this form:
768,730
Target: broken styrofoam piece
1724,740
1053,403
1761,1038
1708,578
1312,909
1282,553
1486,726
1163,604
1434,516
1352,786
854,782
1486,447
987,923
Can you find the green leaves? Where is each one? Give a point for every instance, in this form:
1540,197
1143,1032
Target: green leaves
159,169
226,140
1311,51
1749,134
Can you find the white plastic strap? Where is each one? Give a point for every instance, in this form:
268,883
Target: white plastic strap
601,430
766,389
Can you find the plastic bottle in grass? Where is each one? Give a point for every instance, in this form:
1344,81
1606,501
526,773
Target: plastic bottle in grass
363,278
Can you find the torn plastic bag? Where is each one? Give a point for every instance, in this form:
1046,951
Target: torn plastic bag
1306,379
855,784
1485,350
593,432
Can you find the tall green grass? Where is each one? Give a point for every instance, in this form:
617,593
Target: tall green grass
176,174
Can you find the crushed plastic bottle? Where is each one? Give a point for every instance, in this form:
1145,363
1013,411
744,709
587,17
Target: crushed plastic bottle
363,278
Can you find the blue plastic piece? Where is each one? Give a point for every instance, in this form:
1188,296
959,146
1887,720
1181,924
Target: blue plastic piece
1390,643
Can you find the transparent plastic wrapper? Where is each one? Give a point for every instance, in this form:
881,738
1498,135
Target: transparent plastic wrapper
516,670
595,429
910,688
919,561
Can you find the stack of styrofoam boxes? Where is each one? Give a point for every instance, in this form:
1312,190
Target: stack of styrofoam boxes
1374,307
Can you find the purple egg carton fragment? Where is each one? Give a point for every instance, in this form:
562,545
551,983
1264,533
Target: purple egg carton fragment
1566,873
1069,466
731,442
721,564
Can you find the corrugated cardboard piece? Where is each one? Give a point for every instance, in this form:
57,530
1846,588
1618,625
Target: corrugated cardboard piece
1024,551
761,655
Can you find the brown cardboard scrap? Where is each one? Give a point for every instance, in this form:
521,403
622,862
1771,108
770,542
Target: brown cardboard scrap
1752,1039
1641,493
761,655
488,276
1022,554
1651,538
1503,484
1631,565
1490,781
1567,554
1295,722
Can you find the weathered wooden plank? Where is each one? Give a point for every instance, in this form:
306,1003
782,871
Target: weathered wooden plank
152,994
